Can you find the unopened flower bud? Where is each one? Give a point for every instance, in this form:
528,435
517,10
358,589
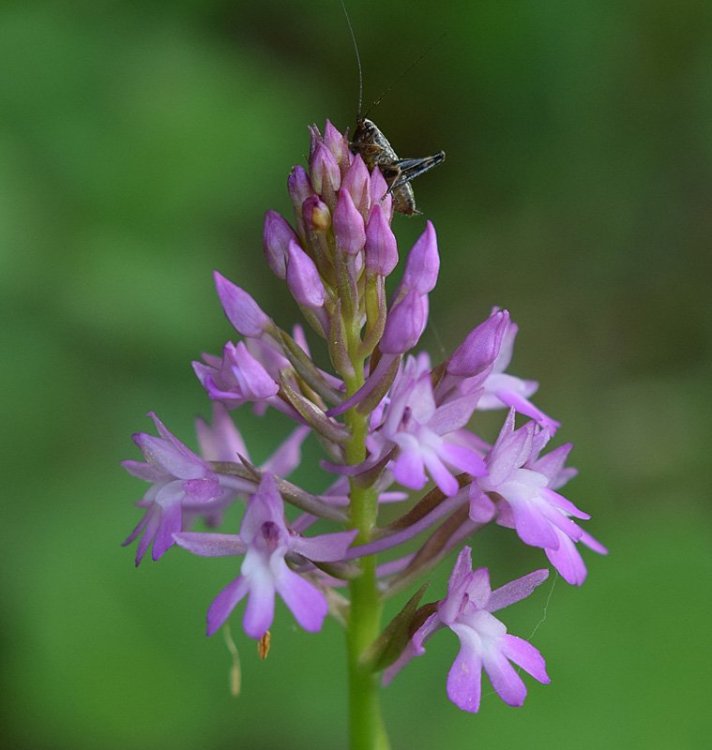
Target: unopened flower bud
405,324
423,264
299,186
303,278
240,308
314,138
357,182
324,170
237,378
480,349
276,236
348,225
381,245
254,381
337,143
378,187
316,214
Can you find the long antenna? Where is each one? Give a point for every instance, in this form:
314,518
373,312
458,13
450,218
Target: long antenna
403,73
358,58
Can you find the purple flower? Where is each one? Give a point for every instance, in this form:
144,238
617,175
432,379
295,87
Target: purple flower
380,194
349,229
423,431
222,441
315,214
501,389
276,236
423,263
484,642
529,504
382,416
237,378
266,541
241,309
381,246
356,182
303,279
474,359
405,324
299,187
180,481
324,170
337,143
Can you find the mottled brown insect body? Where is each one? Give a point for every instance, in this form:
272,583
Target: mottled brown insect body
376,151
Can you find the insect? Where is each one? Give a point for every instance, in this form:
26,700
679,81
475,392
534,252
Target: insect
376,150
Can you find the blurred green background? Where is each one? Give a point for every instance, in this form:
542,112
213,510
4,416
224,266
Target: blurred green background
140,143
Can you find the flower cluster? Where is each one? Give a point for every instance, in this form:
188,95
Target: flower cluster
395,428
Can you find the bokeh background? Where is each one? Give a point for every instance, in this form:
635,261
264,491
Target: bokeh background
140,143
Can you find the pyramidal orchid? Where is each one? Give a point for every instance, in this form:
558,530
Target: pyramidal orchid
395,428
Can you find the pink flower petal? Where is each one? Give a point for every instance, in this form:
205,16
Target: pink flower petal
464,680
240,308
463,459
222,441
260,603
137,529
454,414
593,544
408,470
154,517
478,589
210,545
289,454
515,591
504,678
160,452
524,655
143,470
306,602
568,561
324,548
440,474
559,501
170,523
533,528
225,602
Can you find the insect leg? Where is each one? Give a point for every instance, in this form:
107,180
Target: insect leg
409,169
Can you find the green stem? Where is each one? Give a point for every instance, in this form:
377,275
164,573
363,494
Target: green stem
366,729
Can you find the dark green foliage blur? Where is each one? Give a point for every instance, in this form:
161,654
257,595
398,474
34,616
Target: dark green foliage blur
140,144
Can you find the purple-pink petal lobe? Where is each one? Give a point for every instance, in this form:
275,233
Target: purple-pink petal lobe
240,308
423,264
381,246
348,225
224,603
210,545
478,352
405,324
276,237
303,278
515,591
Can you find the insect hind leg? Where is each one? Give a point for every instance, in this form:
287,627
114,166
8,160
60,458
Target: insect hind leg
405,170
